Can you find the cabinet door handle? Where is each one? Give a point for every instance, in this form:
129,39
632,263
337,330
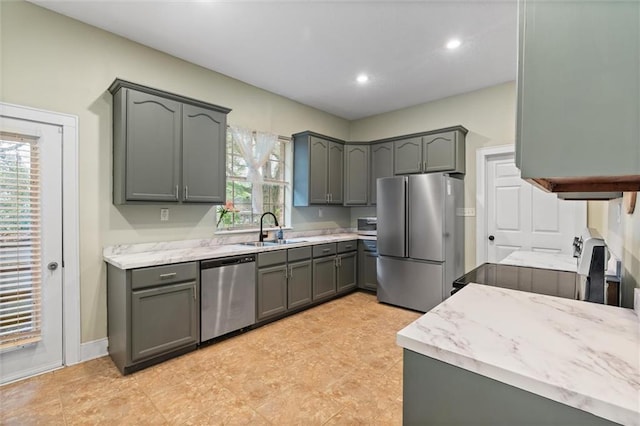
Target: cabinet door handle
177,193
194,292
330,197
167,276
186,192
291,272
424,166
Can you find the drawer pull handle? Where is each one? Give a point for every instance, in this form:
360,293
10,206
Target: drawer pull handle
349,246
167,276
326,250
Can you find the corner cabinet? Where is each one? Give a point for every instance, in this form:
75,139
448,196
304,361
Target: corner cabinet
317,170
356,175
166,148
443,151
577,95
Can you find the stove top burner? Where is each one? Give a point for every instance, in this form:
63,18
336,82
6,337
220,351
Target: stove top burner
534,280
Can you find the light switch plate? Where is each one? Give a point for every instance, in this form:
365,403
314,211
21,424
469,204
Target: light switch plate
469,211
164,215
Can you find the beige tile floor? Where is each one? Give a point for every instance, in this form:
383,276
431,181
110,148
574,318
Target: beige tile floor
336,363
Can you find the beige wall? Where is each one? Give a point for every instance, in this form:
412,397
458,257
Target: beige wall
623,239
489,115
55,63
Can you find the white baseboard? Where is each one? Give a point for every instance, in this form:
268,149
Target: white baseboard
93,349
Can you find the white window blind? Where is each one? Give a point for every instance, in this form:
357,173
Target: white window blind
20,263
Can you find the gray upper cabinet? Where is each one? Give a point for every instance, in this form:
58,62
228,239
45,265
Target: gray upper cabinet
166,148
203,154
408,156
317,169
381,166
441,151
577,91
149,158
356,175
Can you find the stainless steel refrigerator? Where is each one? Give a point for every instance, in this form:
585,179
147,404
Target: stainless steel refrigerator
420,239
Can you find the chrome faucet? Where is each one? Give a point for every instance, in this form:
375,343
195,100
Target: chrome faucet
262,235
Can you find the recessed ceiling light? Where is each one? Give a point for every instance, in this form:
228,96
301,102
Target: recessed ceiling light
453,43
362,78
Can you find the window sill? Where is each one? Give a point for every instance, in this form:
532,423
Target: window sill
249,230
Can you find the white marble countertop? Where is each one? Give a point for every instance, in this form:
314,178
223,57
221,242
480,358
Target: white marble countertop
163,253
581,354
535,259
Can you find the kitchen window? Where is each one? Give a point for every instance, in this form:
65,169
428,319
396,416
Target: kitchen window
258,180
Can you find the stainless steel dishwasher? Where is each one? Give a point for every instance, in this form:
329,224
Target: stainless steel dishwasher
227,295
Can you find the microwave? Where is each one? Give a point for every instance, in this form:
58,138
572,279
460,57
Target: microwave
367,225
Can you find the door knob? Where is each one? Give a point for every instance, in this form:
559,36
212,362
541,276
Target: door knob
52,266
491,238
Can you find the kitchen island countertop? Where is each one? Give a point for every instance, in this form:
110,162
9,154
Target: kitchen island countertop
581,354
164,253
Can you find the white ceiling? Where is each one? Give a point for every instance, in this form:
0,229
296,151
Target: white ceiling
311,51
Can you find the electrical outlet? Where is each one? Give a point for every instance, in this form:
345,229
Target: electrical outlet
320,212
164,215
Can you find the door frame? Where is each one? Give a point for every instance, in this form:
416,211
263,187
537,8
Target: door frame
71,331
483,156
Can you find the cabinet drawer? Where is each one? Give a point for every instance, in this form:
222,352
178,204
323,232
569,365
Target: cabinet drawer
161,275
300,253
369,245
324,249
345,246
272,258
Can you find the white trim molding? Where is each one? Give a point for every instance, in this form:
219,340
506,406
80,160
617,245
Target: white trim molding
70,221
94,349
482,157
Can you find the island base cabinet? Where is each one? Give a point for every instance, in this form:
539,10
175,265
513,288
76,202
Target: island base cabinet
163,319
435,392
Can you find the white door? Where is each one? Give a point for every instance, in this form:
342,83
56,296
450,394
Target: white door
30,248
523,217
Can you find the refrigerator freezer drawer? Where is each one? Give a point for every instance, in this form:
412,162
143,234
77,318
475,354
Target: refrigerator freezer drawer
411,284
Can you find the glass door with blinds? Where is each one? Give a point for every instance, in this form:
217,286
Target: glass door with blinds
30,248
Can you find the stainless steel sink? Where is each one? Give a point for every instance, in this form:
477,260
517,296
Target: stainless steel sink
269,243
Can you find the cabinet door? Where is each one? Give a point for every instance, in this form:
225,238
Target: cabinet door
318,168
153,148
272,291
163,319
369,271
299,284
407,156
439,152
334,173
203,155
347,272
324,277
356,176
381,166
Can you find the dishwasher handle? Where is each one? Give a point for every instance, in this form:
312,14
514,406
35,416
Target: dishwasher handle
227,261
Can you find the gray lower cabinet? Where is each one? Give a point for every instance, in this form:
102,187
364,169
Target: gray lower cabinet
367,268
317,169
431,152
381,166
437,393
324,277
166,148
283,281
153,313
272,291
346,272
356,175
299,284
